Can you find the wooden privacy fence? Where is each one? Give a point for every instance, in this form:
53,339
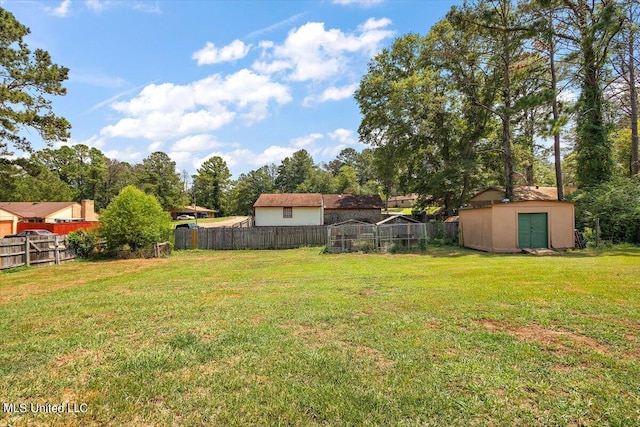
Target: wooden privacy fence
34,250
229,238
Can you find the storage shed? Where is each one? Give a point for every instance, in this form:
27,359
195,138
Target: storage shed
510,226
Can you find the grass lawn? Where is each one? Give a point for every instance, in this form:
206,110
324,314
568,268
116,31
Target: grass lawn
297,337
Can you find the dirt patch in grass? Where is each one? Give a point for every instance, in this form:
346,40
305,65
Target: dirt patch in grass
376,356
313,335
558,340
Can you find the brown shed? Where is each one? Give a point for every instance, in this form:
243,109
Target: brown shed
510,226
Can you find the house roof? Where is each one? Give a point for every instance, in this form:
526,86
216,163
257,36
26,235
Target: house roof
312,200
190,208
352,201
403,197
525,193
34,209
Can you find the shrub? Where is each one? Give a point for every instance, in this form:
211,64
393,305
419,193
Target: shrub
134,220
82,242
616,204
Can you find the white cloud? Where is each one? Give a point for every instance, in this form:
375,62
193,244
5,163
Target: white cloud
332,94
165,126
165,97
97,6
128,155
210,54
62,11
344,136
313,53
196,143
306,141
244,90
152,7
155,146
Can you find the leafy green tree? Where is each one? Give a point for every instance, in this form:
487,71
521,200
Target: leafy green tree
211,184
157,176
26,180
134,219
348,180
82,168
117,176
616,204
293,171
28,80
318,181
248,188
625,62
589,28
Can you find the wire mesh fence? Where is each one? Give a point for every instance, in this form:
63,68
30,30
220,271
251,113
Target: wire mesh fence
361,237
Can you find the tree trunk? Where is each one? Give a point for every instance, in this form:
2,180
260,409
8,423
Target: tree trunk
506,119
633,94
556,117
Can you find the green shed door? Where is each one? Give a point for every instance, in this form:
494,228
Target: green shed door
532,230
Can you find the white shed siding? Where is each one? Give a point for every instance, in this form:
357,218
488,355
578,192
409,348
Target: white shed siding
272,216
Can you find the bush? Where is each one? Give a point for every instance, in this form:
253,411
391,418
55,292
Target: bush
83,242
364,246
134,221
617,206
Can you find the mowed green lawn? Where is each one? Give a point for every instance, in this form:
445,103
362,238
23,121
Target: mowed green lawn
297,337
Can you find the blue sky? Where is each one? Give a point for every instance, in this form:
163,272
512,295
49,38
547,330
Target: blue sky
250,81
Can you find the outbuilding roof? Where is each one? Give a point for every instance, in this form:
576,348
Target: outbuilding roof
352,201
289,200
34,209
522,193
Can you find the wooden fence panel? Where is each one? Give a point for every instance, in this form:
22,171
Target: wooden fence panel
34,250
230,238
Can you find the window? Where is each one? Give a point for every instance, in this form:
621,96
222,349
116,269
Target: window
287,212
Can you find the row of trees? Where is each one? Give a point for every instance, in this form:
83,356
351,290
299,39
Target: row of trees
469,103
80,172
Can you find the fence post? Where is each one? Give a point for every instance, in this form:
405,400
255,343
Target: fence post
194,239
57,250
27,253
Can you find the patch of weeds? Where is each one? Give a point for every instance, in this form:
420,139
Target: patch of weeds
364,246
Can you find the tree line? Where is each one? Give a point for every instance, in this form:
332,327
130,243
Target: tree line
81,172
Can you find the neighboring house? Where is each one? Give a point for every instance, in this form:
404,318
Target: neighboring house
193,210
359,207
289,209
534,219
404,201
316,209
17,216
